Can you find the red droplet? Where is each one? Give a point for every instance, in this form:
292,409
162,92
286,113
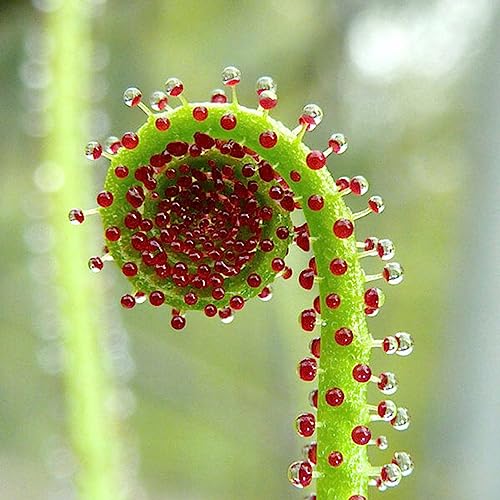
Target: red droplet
254,280
358,185
310,451
204,141
315,160
315,347
343,183
200,113
76,216
121,171
307,369
334,396
210,310
127,301
306,279
177,148
218,96
268,139
361,435
237,302
162,123
370,243
343,228
301,474
361,373
266,293
277,265
295,176
313,398
95,264
218,293
190,298
307,320
266,172
105,199
372,297
132,219
135,196
305,424
317,304
282,232
228,121
267,100
225,313
288,203
357,497
156,298
303,242
315,202
139,241
248,170
332,301
113,233
178,322
344,336
335,458
130,140
338,267
266,246
129,269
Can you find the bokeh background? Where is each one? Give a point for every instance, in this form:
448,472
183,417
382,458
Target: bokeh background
207,413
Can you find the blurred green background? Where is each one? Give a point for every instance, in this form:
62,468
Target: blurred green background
207,413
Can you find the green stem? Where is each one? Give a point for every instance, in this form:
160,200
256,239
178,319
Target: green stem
88,388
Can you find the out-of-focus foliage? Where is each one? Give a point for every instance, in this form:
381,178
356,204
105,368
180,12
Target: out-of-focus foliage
208,412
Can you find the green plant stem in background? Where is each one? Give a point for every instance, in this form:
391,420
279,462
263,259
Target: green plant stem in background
88,388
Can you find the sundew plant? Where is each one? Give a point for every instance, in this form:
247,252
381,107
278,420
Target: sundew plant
199,210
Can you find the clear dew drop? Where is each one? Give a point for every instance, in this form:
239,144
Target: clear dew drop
158,100
95,264
266,294
381,486
393,273
231,76
391,475
76,216
300,474
376,204
382,443
226,320
265,83
174,87
311,116
386,249
218,95
112,144
405,343
359,185
132,97
268,99
388,383
338,143
390,344
387,410
404,461
402,420
93,150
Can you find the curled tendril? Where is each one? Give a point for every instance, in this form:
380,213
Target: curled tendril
197,211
